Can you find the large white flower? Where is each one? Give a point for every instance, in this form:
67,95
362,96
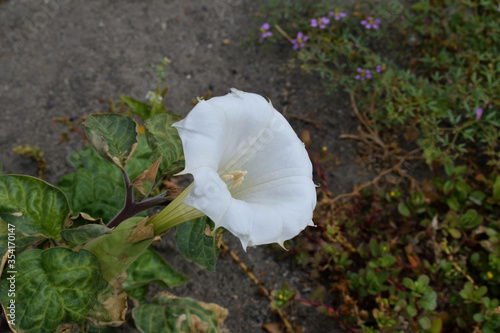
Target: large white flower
252,174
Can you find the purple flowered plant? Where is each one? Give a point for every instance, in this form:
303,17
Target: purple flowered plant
320,22
299,41
380,68
264,29
479,113
371,23
363,74
336,14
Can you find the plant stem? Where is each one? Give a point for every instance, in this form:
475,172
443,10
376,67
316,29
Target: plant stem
132,208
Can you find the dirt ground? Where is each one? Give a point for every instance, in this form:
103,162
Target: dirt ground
68,58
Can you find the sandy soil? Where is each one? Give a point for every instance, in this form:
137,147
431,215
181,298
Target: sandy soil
67,58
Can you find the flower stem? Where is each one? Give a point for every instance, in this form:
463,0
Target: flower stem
132,208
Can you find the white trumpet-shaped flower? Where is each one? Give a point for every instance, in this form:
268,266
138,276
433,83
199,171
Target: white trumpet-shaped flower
252,174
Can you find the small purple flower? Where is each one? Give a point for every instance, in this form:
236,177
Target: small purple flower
299,41
336,14
448,80
264,29
470,84
320,22
363,74
479,113
381,68
371,22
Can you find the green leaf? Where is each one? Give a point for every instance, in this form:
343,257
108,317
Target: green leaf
137,107
169,314
408,283
114,136
455,233
496,188
477,197
195,245
460,170
52,286
150,267
463,187
116,251
470,219
448,187
478,317
96,187
423,280
387,261
31,207
404,210
453,203
424,322
83,234
428,301
164,139
412,311
437,325
100,193
449,169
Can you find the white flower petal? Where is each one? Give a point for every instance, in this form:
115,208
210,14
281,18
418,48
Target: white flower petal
209,194
242,135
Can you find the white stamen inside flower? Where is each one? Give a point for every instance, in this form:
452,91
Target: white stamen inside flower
237,178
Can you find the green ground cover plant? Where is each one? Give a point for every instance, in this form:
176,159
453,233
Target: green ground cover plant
404,253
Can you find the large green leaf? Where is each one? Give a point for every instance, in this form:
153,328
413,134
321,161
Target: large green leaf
150,267
195,245
99,194
116,251
169,313
51,286
114,136
96,187
82,234
164,139
32,207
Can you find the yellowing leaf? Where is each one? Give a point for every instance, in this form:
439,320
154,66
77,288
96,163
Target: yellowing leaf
141,232
148,175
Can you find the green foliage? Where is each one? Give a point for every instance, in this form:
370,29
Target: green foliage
51,286
116,251
164,140
82,234
32,209
282,298
96,187
114,136
419,258
150,267
432,67
168,313
57,267
196,245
